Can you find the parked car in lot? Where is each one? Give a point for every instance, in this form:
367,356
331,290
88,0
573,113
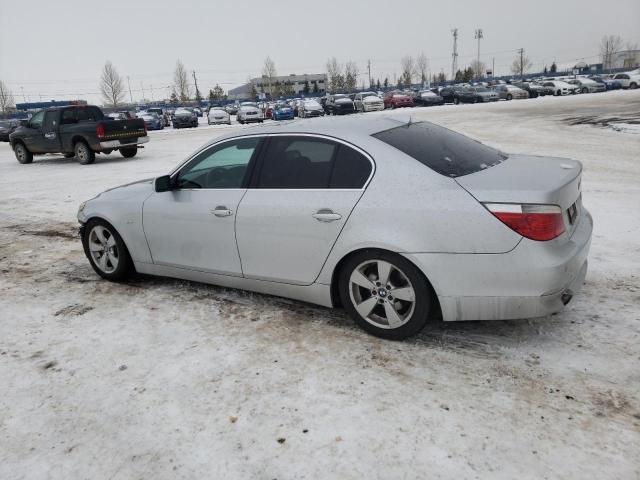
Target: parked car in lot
339,104
471,233
80,131
162,113
627,80
198,112
367,102
218,115
451,93
184,118
532,88
586,85
249,112
282,111
7,127
609,83
310,108
152,121
427,98
396,99
476,95
231,108
559,87
510,92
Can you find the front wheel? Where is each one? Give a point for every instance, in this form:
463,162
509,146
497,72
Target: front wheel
106,251
633,86
456,101
23,155
509,97
385,294
84,154
129,152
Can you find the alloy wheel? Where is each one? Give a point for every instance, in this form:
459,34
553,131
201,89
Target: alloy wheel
382,294
103,249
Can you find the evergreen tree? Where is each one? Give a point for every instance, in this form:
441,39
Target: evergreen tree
546,70
306,88
554,68
378,84
173,100
386,82
459,76
315,87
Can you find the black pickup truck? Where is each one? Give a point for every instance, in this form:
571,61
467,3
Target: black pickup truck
80,131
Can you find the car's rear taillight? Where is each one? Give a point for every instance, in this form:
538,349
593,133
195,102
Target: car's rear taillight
536,222
100,131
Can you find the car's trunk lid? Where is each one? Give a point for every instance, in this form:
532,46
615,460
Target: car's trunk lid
529,179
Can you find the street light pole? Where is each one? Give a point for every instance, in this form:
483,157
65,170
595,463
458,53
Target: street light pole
479,36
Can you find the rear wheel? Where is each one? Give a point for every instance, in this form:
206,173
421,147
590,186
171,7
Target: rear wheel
84,154
633,86
385,294
129,152
456,101
509,97
585,90
23,155
106,251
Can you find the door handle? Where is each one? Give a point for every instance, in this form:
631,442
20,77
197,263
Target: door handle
50,135
326,215
221,211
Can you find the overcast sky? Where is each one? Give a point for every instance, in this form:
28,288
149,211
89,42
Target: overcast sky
56,49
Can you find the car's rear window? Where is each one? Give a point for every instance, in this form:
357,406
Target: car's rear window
442,150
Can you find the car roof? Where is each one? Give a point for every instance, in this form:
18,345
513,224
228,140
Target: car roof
349,128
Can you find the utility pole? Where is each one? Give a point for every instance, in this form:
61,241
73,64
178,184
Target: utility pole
24,99
454,55
130,95
152,100
369,69
479,36
142,87
493,67
521,51
195,81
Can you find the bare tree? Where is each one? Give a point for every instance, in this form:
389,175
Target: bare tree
6,98
335,75
521,64
111,85
609,45
350,75
422,65
268,73
181,82
408,69
478,68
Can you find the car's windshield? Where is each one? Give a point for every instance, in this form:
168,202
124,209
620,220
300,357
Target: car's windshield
368,94
340,96
444,151
481,89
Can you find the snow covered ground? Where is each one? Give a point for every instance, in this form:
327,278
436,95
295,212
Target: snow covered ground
164,379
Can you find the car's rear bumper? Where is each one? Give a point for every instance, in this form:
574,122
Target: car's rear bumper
111,144
535,279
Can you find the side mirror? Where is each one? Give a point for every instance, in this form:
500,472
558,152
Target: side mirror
163,184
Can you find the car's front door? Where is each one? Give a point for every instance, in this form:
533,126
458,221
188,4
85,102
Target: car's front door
193,225
300,198
32,136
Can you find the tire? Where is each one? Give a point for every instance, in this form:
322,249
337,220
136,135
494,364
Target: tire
411,313
69,155
22,153
585,90
129,152
117,264
84,154
633,86
509,97
456,101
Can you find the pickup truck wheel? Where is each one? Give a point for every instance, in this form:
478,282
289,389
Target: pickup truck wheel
129,152
84,154
23,155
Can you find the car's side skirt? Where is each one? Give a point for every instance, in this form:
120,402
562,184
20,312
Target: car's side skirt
316,293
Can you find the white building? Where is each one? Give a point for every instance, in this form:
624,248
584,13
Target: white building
293,84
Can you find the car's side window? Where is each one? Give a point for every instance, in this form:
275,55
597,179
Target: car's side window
36,120
297,162
351,169
221,166
68,116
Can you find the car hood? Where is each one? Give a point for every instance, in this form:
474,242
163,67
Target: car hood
128,189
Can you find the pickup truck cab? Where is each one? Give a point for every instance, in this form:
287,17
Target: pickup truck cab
80,131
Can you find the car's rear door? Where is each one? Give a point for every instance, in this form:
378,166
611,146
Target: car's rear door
193,225
303,191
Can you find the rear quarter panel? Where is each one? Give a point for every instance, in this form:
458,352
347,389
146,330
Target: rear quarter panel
409,208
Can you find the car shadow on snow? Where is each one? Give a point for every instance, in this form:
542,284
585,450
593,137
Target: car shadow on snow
54,159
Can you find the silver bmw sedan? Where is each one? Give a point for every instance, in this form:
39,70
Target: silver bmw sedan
396,221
